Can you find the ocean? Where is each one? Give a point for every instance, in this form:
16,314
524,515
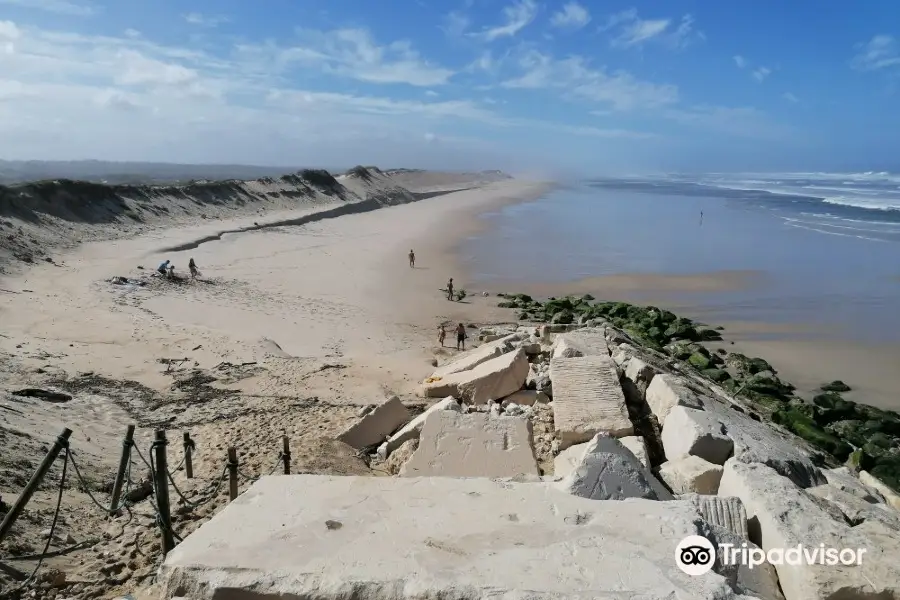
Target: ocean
826,244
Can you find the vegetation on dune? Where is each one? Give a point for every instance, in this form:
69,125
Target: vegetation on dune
862,436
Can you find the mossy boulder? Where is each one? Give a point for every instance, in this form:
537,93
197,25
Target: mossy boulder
768,384
708,335
698,361
563,317
717,375
678,331
836,386
796,419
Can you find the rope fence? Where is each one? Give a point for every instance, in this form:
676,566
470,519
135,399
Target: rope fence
161,477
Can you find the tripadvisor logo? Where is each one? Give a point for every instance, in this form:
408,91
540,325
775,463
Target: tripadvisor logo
695,555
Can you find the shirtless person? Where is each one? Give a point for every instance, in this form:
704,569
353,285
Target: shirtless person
450,289
460,337
412,259
442,334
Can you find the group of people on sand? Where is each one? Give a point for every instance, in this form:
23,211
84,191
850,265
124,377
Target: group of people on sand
167,269
442,331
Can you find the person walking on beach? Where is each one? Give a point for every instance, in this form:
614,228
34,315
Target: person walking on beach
450,289
460,337
412,259
163,268
192,266
701,217
442,334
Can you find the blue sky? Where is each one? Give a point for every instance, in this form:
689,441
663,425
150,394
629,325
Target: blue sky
600,87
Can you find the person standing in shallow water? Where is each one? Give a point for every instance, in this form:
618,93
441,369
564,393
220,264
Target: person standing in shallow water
450,289
460,337
442,334
412,259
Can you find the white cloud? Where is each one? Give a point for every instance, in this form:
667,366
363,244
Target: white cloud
572,15
517,16
632,31
204,20
760,73
63,7
456,24
738,121
880,52
740,61
574,77
352,53
790,97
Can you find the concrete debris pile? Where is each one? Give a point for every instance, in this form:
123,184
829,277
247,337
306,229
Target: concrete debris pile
553,450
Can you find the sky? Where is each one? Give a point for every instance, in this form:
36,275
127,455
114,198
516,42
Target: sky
599,87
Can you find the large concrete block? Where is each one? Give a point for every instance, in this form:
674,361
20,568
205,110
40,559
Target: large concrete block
472,358
306,536
581,342
692,432
855,509
666,391
843,479
412,429
377,425
781,515
490,380
892,497
473,445
587,399
691,474
607,470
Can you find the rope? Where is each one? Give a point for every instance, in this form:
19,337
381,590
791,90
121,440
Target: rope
59,497
278,462
87,490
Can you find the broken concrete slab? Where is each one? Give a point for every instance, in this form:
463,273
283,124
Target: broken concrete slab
565,461
472,445
640,374
855,509
892,497
587,399
783,516
843,479
607,470
466,539
376,425
666,391
491,380
693,432
471,359
400,456
691,474
638,447
756,442
412,429
725,512
757,581
581,342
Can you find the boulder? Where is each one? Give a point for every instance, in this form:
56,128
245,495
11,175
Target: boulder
666,391
640,374
473,445
527,398
490,380
756,442
890,495
757,581
725,512
607,470
471,359
460,539
843,479
583,342
688,431
376,425
412,429
566,460
782,516
691,474
587,399
855,509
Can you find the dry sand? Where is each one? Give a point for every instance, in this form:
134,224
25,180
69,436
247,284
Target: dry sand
290,330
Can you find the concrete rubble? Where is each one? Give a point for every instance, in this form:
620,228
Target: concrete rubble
377,425
607,470
473,445
472,358
587,399
490,380
721,511
581,342
412,429
691,474
692,432
781,515
465,539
